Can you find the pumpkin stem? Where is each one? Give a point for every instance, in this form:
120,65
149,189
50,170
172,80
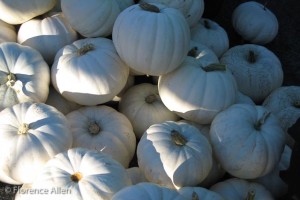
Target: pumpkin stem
76,177
195,196
297,104
251,57
265,4
262,120
177,138
151,98
206,24
84,49
149,7
193,52
94,128
214,67
250,195
23,129
11,79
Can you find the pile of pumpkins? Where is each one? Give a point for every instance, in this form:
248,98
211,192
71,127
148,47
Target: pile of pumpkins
75,124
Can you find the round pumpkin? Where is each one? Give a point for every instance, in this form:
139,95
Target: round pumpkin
152,39
31,134
7,32
24,75
199,193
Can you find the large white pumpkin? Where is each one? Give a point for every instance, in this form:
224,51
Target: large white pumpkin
7,32
174,155
104,129
89,71
47,35
152,39
24,75
31,134
18,11
247,140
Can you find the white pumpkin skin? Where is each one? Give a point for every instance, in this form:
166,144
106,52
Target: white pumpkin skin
247,140
136,175
257,70
237,189
255,23
170,153
47,35
38,131
7,32
81,174
143,107
242,98
196,94
24,75
104,129
212,35
18,12
89,71
199,193
151,37
204,54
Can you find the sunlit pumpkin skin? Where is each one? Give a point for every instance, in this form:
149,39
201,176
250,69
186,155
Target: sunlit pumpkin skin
104,129
151,41
79,173
31,134
7,32
147,191
199,193
237,189
18,12
257,70
89,71
47,35
197,92
170,153
255,22
24,75
247,140
143,107
101,16
212,35
192,10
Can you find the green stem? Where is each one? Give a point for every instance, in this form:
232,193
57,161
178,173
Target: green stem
214,67
250,195
149,7
177,138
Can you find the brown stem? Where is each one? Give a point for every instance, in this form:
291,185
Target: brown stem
149,7
11,79
23,129
76,177
94,128
151,98
262,120
193,52
86,48
251,57
250,195
214,67
177,138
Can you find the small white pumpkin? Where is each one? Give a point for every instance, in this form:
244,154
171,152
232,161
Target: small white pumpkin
7,32
212,35
174,155
104,129
152,39
247,140
31,134
237,189
77,174
89,71
254,22
47,35
143,107
257,70
18,12
24,75
199,193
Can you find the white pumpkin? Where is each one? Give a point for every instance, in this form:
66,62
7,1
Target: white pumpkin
89,71
92,18
237,189
199,193
136,175
7,32
31,134
77,174
18,12
24,75
247,140
143,107
174,155
197,92
47,35
210,34
202,53
151,38
147,191
104,129
257,70
192,10
254,22
129,83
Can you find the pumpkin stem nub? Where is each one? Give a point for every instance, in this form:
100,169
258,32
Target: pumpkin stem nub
251,57
94,128
149,7
262,120
193,52
250,195
76,177
23,129
195,196
11,79
177,138
214,67
86,48
151,98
